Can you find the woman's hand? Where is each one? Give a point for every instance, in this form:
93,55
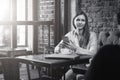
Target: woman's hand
66,51
80,51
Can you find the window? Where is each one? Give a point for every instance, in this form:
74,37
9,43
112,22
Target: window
5,30
14,22
21,35
27,23
5,39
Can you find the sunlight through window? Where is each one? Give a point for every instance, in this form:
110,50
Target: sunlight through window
20,35
20,10
15,10
4,9
4,16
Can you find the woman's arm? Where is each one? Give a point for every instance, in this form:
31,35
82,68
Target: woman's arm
57,48
80,50
64,46
92,46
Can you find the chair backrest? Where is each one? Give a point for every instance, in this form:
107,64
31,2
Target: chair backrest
18,52
10,68
49,50
108,37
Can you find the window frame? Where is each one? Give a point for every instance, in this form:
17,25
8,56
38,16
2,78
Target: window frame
13,23
35,23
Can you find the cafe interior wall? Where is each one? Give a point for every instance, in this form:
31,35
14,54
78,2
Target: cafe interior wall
101,14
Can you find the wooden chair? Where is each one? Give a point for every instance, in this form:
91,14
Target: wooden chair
2,54
49,50
80,70
10,68
18,52
21,52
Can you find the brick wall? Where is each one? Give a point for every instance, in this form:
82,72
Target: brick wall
46,13
101,13
46,10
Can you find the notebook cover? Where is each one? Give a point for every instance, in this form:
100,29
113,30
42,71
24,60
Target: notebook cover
61,56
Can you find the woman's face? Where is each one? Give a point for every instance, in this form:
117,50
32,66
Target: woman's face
80,22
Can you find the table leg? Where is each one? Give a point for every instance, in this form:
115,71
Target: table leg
28,71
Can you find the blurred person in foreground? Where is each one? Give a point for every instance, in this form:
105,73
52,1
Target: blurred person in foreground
105,65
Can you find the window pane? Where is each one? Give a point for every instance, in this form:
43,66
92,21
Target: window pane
21,35
4,9
30,10
5,35
20,10
30,37
1,37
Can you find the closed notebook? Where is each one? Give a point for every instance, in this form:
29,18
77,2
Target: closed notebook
62,56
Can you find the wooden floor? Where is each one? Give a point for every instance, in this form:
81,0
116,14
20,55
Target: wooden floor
23,73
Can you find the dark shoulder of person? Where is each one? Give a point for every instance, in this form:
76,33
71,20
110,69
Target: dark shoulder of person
105,64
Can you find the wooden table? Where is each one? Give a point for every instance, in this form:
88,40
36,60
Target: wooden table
54,65
13,52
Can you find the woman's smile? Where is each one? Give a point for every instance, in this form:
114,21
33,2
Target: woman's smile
79,25
80,21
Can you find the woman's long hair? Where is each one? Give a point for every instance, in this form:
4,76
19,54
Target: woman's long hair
86,32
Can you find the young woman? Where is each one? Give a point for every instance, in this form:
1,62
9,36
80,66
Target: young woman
78,41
